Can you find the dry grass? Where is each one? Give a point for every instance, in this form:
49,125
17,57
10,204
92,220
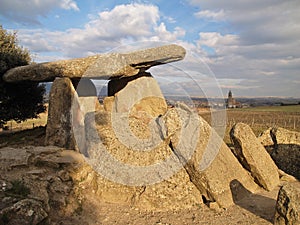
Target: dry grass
13,126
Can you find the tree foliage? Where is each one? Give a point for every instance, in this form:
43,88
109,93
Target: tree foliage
18,101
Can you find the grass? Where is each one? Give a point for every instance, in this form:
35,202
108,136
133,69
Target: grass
28,124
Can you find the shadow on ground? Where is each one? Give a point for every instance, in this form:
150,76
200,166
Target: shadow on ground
259,205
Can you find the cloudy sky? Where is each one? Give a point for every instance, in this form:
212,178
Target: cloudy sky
251,47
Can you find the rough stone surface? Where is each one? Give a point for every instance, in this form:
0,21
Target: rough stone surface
284,149
265,138
179,131
12,157
174,191
135,109
284,136
288,205
212,166
38,188
141,94
253,156
67,109
27,211
59,125
127,131
99,66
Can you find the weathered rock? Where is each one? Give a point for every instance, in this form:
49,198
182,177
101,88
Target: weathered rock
212,182
55,160
134,174
284,150
11,157
27,211
59,125
286,177
108,103
117,84
175,193
265,138
288,205
210,163
284,136
99,66
140,94
86,102
253,156
134,111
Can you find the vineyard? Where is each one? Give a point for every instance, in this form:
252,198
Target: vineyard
261,118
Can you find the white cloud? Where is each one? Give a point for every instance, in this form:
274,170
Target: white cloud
28,11
123,24
69,4
260,41
212,15
258,21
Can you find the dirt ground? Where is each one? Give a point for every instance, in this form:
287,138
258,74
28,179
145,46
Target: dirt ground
255,209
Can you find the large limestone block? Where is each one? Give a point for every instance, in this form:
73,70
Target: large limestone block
288,205
284,149
209,162
253,156
135,109
130,176
98,66
284,136
141,94
134,163
59,124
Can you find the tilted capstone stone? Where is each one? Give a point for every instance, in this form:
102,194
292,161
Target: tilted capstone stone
102,66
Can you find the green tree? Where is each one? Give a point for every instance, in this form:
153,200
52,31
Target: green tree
18,101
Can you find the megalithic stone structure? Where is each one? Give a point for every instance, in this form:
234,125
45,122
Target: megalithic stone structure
65,73
134,120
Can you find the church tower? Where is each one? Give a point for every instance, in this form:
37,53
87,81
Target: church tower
230,100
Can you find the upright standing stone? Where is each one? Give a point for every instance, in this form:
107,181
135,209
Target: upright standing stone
288,205
134,109
59,125
253,156
141,94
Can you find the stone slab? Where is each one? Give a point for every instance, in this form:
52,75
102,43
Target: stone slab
102,66
253,156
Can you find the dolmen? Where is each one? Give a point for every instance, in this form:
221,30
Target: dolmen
165,157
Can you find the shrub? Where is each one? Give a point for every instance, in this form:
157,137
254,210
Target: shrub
18,101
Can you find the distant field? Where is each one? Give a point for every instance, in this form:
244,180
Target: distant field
261,118
28,124
288,108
